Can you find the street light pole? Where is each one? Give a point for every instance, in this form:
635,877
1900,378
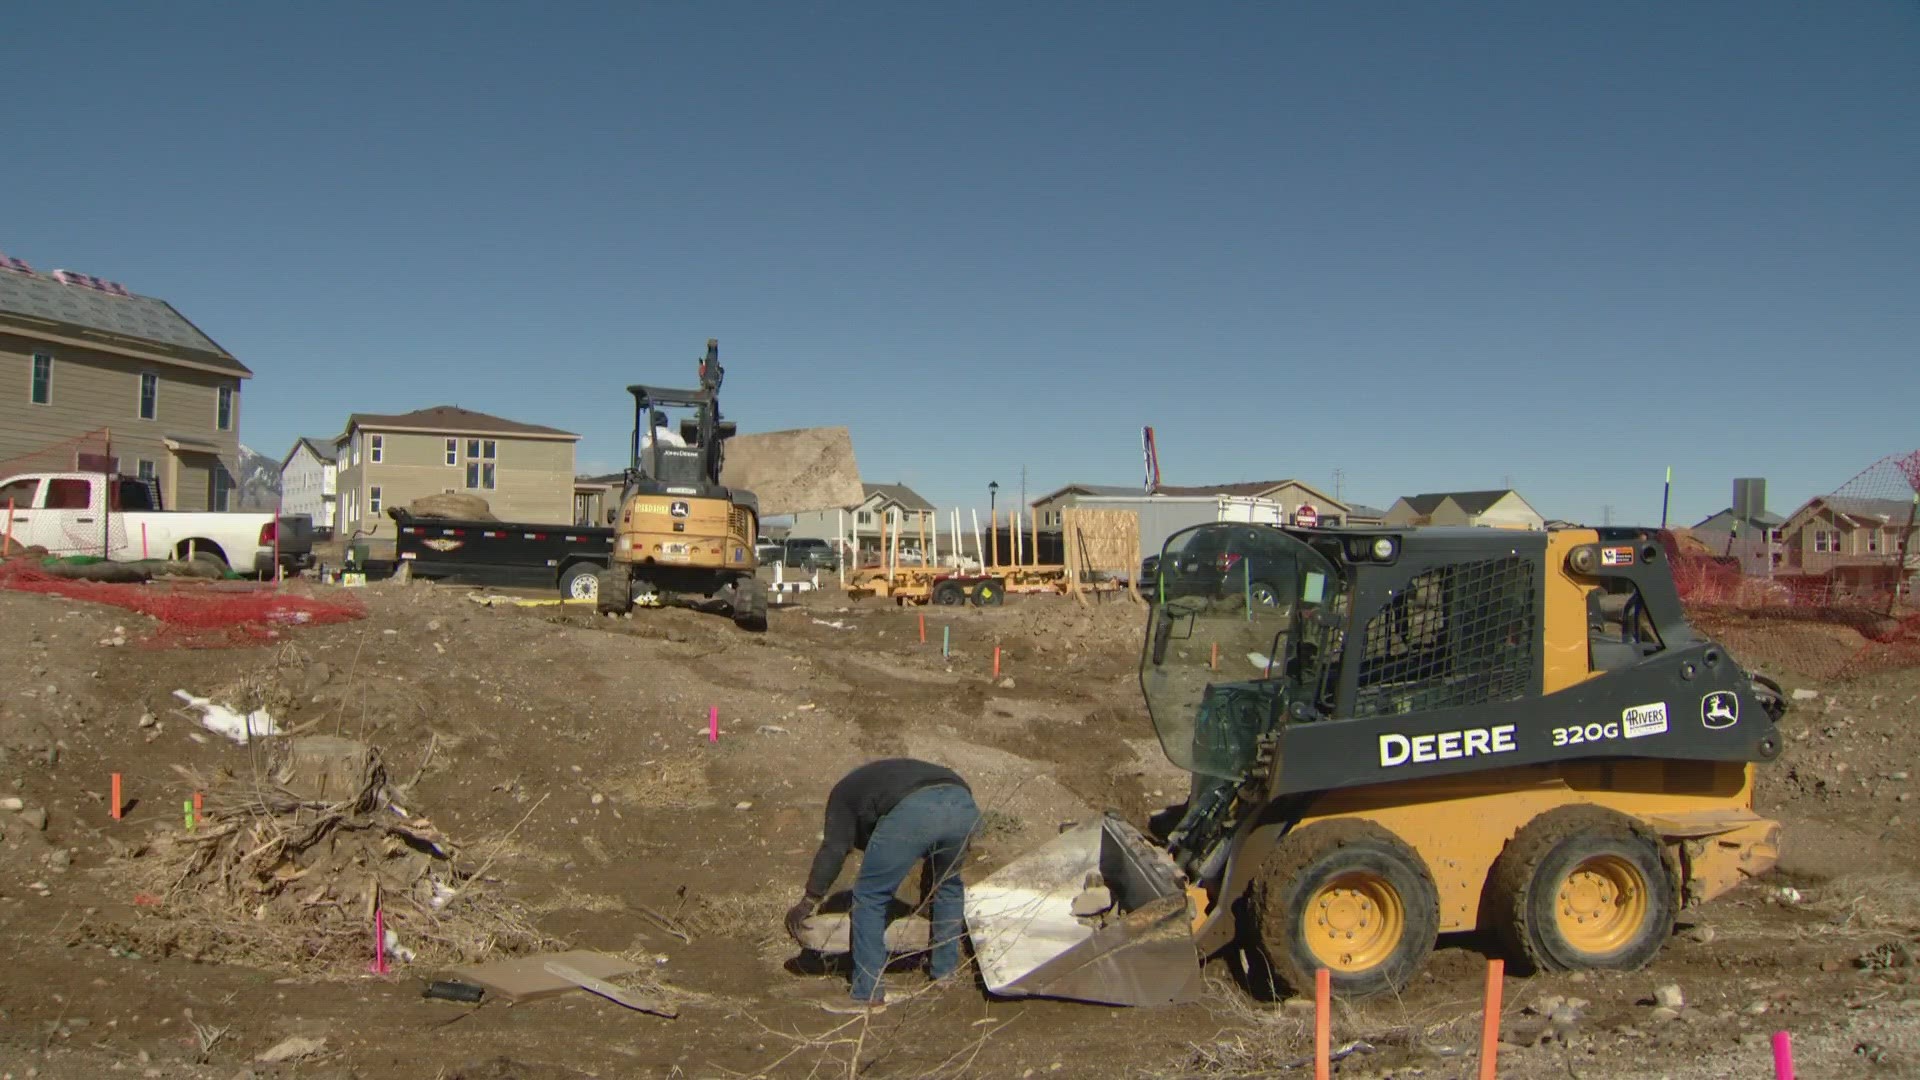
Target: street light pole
993,523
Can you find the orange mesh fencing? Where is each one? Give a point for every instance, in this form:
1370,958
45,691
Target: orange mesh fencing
1828,596
194,615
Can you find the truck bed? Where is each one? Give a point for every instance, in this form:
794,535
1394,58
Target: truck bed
503,553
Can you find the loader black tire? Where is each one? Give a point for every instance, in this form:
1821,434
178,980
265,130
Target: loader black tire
1579,888
614,593
750,604
1352,874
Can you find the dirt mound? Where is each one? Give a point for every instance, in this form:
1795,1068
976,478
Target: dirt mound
457,507
286,870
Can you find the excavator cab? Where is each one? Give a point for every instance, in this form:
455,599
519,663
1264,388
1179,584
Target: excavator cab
1396,735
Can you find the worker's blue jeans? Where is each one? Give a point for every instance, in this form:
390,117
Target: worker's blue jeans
933,824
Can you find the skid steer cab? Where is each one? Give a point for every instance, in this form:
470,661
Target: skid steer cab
1396,735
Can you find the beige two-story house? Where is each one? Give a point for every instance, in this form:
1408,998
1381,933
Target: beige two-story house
524,471
94,376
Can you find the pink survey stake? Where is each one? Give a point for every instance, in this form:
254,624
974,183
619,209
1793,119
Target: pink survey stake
713,723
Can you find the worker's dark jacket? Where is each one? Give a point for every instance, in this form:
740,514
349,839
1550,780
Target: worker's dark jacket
857,804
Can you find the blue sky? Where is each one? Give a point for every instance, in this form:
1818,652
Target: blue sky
1434,245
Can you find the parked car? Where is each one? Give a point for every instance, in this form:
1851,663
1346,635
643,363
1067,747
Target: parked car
74,514
1223,562
809,553
768,552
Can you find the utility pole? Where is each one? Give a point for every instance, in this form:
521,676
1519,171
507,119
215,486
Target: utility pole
1507,482
1339,480
1606,514
1023,485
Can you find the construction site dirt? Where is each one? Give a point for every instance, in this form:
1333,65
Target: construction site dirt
564,764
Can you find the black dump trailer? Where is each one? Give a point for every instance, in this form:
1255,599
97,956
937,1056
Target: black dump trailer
502,553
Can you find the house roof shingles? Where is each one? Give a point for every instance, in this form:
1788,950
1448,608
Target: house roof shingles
899,493
1472,502
453,420
140,318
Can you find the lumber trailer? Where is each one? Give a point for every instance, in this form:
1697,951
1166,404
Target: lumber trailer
1433,731
989,586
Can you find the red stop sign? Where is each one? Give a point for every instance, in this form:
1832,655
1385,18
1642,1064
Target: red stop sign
1306,517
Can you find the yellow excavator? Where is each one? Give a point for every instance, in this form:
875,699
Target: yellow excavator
1431,731
679,530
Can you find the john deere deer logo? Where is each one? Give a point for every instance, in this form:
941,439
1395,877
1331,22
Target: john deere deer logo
1720,709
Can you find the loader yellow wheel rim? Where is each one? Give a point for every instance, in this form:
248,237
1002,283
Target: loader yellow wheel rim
1354,923
1602,904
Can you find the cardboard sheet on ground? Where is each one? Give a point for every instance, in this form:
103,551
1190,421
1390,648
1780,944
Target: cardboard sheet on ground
792,472
526,978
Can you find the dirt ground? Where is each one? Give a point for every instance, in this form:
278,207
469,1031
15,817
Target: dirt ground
566,759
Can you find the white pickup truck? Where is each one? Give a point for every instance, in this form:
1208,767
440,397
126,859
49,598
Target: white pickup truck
62,512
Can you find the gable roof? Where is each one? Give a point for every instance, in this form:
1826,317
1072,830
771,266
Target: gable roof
908,498
1719,521
30,300
1355,510
453,420
1107,490
1246,489
1868,513
1471,502
314,447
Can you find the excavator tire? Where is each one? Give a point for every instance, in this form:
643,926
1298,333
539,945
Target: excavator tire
614,594
1582,887
750,604
1349,896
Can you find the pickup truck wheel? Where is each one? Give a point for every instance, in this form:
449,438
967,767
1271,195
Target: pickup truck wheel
581,581
613,592
750,604
207,554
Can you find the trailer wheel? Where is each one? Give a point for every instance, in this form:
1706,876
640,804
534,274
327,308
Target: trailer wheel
581,581
1582,887
949,593
989,593
1350,897
750,604
613,592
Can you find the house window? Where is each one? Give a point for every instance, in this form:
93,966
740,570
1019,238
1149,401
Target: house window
42,378
864,517
480,464
1826,543
453,452
356,453
373,499
220,490
376,448
149,395
146,469
1873,541
225,417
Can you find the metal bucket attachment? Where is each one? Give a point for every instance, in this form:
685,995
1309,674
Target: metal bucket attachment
1131,944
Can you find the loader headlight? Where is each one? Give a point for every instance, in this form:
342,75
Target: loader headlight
1383,548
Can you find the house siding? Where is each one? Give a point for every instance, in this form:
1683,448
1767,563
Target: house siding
826,524
307,486
94,390
533,478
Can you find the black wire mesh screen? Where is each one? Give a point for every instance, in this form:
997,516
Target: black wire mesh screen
1456,635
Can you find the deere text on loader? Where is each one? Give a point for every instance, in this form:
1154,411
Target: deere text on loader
679,530
1436,730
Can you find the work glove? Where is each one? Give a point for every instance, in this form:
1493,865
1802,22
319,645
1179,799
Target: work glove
798,914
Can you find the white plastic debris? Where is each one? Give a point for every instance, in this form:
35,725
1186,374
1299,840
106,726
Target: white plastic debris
224,721
836,624
1259,660
1788,894
398,951
441,894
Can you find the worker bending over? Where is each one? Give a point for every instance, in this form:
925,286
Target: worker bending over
897,812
